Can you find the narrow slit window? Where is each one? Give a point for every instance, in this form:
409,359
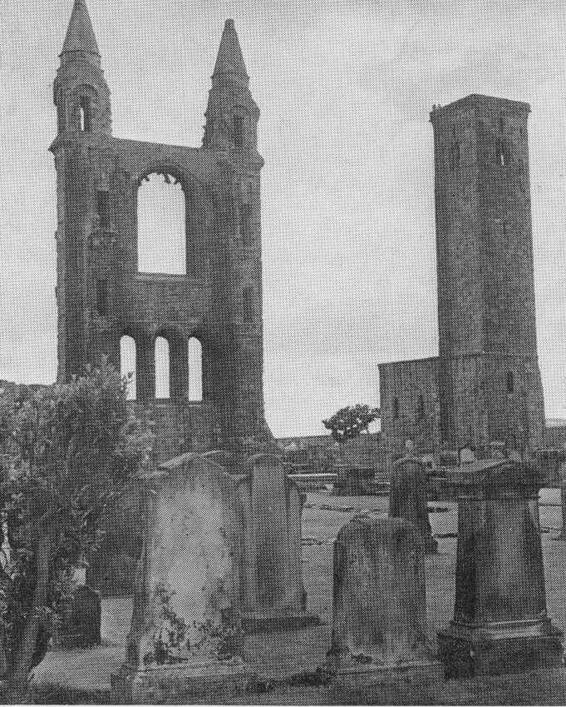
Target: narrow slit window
162,368
502,156
246,224
102,297
420,412
238,131
128,364
195,370
395,408
510,382
85,113
103,208
248,304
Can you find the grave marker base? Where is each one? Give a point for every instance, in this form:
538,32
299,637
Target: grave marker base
362,674
208,682
258,621
513,647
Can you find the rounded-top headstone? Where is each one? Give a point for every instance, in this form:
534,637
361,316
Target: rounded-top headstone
379,616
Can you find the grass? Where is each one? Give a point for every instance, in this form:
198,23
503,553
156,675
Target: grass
82,677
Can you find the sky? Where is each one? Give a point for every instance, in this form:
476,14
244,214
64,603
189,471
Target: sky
345,89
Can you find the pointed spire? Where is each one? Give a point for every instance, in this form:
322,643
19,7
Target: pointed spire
80,36
230,61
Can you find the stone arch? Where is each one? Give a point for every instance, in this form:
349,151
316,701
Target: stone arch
194,222
195,369
240,126
178,361
84,108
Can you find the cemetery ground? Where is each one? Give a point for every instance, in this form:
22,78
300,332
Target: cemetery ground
286,662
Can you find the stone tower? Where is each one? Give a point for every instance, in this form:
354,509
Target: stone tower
488,375
101,294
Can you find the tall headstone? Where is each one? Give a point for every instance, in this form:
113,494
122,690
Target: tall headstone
273,594
185,637
379,603
562,477
80,621
408,497
500,622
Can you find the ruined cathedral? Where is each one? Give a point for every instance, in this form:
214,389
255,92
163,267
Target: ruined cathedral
485,385
101,293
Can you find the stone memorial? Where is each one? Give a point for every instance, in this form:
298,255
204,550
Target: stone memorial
562,477
273,594
379,604
500,622
80,620
408,497
185,637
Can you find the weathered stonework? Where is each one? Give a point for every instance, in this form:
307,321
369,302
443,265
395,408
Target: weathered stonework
379,604
273,596
408,498
185,639
221,185
500,622
487,378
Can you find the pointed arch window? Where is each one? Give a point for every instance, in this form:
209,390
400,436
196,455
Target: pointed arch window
85,114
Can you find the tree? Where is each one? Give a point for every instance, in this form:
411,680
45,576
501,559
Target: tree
67,451
351,421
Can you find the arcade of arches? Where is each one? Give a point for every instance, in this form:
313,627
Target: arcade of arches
175,367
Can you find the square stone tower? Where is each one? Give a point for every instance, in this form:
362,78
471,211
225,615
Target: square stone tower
101,294
489,382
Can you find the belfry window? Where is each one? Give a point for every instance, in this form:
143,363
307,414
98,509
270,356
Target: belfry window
238,131
85,115
502,155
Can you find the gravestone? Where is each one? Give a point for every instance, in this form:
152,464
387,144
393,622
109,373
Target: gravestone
562,477
408,497
273,594
80,620
185,637
500,622
379,604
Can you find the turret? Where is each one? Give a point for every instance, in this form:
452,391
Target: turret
80,91
231,115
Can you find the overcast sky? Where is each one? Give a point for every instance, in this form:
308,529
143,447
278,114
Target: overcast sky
345,88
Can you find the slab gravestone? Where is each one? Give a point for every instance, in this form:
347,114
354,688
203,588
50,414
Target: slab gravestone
273,595
500,622
379,603
185,638
80,621
408,497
